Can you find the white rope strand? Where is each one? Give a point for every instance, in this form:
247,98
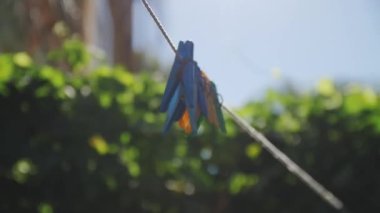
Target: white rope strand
258,136
286,161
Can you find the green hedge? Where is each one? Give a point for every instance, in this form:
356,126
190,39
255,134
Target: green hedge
80,139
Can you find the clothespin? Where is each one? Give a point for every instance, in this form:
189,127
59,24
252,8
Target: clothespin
181,58
214,113
174,100
189,95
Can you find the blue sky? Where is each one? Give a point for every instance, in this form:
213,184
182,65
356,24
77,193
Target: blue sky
241,43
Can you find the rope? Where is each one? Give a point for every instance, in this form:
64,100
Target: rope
286,161
292,167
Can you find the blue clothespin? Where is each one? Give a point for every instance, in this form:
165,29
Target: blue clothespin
176,108
190,85
189,94
174,76
175,100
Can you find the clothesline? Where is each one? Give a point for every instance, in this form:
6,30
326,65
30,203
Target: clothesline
291,166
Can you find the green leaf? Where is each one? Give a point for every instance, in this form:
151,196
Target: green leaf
241,181
253,150
100,145
105,99
288,123
326,87
6,68
359,99
45,208
54,76
22,59
23,169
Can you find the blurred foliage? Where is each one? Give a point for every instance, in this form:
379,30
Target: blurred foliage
91,142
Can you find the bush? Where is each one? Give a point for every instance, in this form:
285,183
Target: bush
91,141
